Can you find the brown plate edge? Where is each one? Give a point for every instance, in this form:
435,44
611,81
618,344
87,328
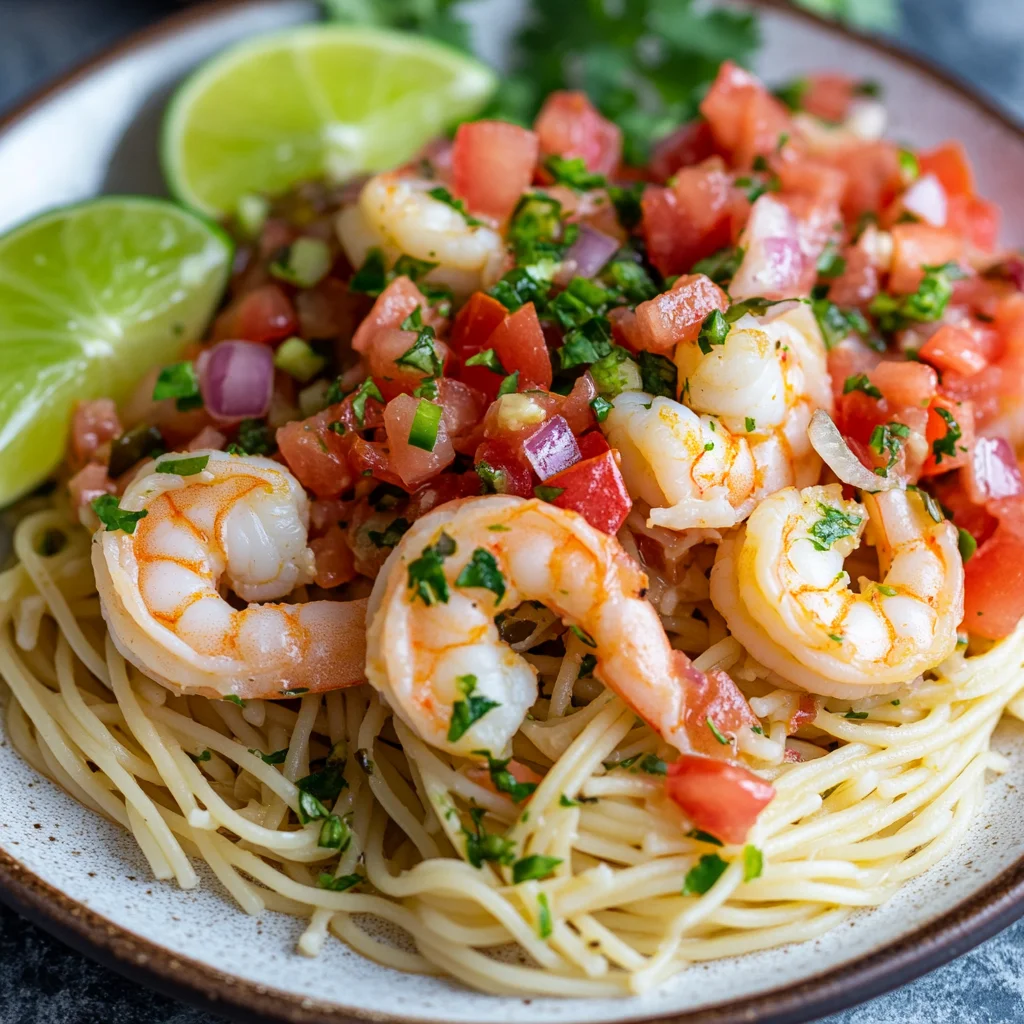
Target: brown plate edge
984,914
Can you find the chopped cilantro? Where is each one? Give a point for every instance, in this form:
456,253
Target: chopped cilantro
833,525
422,355
482,571
548,494
601,407
946,445
389,537
860,382
658,374
180,382
583,636
442,195
340,884
277,757
113,517
573,173
966,543
926,305
704,837
471,709
510,385
653,765
504,781
365,390
371,277
716,732
830,262
184,467
713,331
721,266
495,481
750,423
888,439
856,714
489,358
703,875
482,845
426,574
535,867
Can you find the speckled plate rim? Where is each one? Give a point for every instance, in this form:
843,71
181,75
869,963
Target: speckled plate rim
988,911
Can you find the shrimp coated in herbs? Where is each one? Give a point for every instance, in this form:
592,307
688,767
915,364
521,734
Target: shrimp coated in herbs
239,523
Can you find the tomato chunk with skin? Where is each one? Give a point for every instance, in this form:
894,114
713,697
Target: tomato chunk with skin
954,348
264,315
745,118
951,165
676,316
685,146
519,344
953,451
719,798
915,246
475,323
505,467
828,96
569,126
398,300
994,576
316,454
335,563
974,219
595,489
412,464
493,163
713,702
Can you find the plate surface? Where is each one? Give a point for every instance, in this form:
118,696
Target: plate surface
82,878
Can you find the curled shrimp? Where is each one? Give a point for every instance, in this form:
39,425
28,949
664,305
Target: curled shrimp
779,582
438,658
738,432
241,523
398,215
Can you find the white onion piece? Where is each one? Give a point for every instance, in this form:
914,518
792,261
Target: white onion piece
927,199
836,454
867,119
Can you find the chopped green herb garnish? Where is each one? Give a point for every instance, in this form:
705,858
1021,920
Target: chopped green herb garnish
966,543
658,374
573,173
653,765
201,757
716,732
860,382
721,267
422,354
482,571
510,385
184,467
340,884
833,525
482,845
495,481
371,277
704,837
931,506
504,781
426,574
713,331
830,262
544,924
180,382
885,591
856,714
888,439
388,538
489,358
277,757
535,867
368,389
583,636
471,709
601,407
750,424
926,305
703,875
442,195
946,445
113,517
334,834
753,863
235,699
548,494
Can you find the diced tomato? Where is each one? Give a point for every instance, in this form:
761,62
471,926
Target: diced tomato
713,697
592,443
915,246
957,349
595,489
515,474
493,163
939,429
873,177
400,298
719,798
975,220
676,316
264,315
335,563
576,407
316,454
955,494
623,321
386,347
905,383
475,323
693,219
951,165
464,407
569,126
93,424
994,576
330,310
745,118
828,96
814,178
685,147
518,342
414,465
88,484
858,284
372,459
442,489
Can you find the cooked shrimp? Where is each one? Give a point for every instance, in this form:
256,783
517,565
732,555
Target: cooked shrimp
240,522
742,432
436,653
780,584
398,215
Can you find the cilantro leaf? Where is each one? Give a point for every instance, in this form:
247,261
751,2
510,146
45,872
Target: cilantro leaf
113,517
426,573
946,445
482,571
471,709
504,781
833,525
703,875
482,845
536,866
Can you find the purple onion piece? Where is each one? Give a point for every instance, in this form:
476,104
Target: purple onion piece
236,379
591,251
552,448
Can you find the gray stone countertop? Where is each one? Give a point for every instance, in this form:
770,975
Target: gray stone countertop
44,982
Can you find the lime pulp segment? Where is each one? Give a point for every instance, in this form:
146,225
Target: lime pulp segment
92,296
320,100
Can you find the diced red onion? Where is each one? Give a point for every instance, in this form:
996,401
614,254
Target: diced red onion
774,264
993,471
836,454
590,252
552,448
926,198
236,379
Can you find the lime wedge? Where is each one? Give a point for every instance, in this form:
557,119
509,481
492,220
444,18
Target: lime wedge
320,100
92,296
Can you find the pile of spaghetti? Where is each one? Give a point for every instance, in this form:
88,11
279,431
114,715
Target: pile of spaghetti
569,863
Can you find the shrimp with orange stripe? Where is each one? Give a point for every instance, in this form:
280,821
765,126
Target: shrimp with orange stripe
198,524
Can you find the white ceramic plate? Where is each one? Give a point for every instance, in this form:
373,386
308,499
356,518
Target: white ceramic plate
82,878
